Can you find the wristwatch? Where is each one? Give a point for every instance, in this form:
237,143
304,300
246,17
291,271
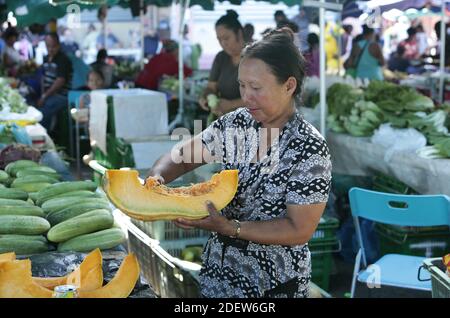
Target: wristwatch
238,229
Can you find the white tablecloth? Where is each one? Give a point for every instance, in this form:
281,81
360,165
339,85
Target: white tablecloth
358,156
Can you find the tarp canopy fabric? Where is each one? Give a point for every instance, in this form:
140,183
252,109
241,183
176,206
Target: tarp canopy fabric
28,12
354,8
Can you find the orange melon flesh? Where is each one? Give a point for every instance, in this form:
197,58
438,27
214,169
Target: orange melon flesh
122,283
7,257
16,281
152,201
87,276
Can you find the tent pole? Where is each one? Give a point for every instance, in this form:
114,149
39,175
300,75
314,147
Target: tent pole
442,54
339,40
179,118
141,16
322,70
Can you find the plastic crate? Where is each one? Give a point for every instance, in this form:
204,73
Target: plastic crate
385,183
118,154
440,281
322,260
418,241
168,231
168,277
326,229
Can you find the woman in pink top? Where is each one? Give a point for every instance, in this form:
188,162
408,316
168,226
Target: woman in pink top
312,56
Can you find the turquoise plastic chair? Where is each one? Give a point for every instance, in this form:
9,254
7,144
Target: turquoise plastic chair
395,270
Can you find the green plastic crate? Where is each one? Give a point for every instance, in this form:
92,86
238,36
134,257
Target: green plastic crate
385,183
322,260
326,229
419,241
118,154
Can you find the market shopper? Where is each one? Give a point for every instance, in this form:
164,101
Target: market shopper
224,72
11,57
56,80
160,65
101,65
368,54
312,56
258,243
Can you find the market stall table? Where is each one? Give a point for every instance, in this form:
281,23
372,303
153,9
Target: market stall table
357,156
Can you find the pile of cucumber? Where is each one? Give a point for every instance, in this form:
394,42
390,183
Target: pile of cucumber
39,213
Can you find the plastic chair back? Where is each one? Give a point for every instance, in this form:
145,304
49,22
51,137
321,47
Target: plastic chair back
400,209
74,98
397,209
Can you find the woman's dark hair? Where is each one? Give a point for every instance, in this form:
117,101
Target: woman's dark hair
102,54
278,51
10,32
54,36
400,50
411,31
230,21
367,30
313,39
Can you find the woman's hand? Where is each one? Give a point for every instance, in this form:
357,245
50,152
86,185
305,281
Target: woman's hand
203,102
215,222
225,106
158,178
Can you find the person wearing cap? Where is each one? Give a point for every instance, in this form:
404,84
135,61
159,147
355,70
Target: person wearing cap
164,63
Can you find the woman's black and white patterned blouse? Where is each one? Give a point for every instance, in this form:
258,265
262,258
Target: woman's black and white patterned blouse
295,171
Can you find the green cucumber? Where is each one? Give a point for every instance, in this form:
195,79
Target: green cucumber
83,224
33,172
104,239
58,204
23,224
21,210
23,244
14,202
12,167
15,194
73,211
32,187
4,176
63,187
34,179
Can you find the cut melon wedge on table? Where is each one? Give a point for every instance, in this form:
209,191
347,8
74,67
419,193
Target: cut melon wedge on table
87,276
7,257
153,201
16,280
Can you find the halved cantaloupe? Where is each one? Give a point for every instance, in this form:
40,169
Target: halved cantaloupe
122,283
87,276
153,201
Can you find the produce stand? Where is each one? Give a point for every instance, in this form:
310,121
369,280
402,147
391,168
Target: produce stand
357,156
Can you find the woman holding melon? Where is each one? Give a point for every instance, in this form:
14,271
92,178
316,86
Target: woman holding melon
258,243
223,76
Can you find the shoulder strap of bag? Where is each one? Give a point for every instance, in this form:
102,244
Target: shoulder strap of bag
360,54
